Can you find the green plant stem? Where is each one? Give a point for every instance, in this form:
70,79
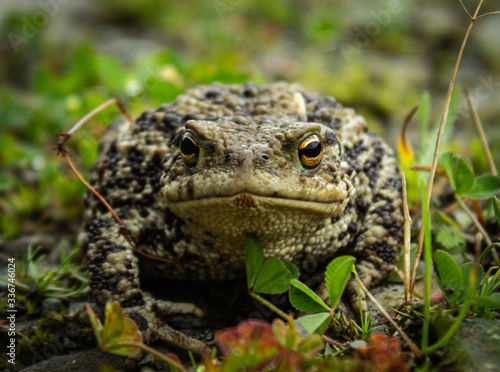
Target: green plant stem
333,342
480,132
488,14
426,226
265,302
439,139
479,227
487,250
359,296
465,8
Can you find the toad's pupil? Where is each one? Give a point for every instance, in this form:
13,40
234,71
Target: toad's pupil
312,150
188,147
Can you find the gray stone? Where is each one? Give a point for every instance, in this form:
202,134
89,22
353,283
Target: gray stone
90,360
51,305
477,344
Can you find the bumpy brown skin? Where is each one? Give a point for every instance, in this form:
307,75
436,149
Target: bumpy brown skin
248,178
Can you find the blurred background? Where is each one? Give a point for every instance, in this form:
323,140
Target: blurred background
59,59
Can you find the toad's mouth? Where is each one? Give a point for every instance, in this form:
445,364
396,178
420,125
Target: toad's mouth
250,203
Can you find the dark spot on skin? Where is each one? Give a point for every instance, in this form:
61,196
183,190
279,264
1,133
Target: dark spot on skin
190,188
383,250
171,120
210,94
145,115
357,149
95,227
288,146
336,123
139,320
330,138
373,165
112,280
151,235
123,212
393,183
250,90
342,235
102,280
352,228
100,172
176,224
385,217
135,300
361,207
112,148
169,218
172,176
336,218
188,116
139,187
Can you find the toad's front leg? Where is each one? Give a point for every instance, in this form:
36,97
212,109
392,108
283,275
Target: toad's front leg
114,276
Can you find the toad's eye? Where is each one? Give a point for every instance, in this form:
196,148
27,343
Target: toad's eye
190,150
310,151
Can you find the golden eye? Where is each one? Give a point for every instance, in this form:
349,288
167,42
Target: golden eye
190,150
310,151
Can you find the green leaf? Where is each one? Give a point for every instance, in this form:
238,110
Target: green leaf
293,269
492,302
464,175
254,258
449,276
304,299
449,239
466,269
96,325
119,330
445,163
273,277
315,323
459,172
337,274
485,187
496,207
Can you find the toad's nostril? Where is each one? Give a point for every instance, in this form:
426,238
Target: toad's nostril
264,157
228,157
